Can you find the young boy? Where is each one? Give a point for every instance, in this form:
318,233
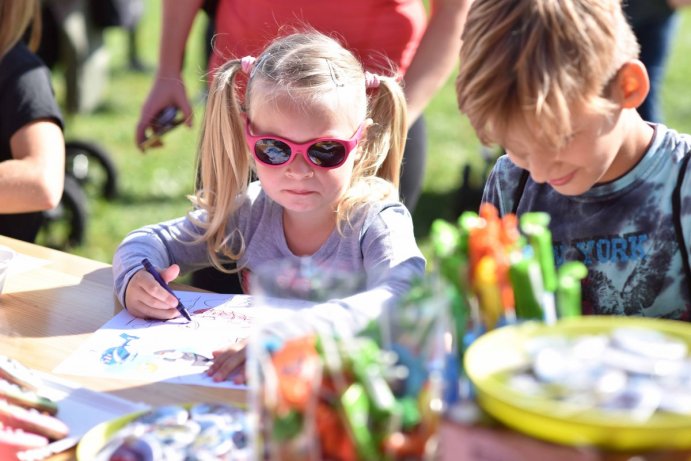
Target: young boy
557,84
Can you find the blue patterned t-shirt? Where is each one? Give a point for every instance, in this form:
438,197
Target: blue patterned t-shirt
622,230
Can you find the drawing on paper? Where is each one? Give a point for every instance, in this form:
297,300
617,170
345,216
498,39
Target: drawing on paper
127,347
119,354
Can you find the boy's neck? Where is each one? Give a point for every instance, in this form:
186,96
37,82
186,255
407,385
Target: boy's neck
637,134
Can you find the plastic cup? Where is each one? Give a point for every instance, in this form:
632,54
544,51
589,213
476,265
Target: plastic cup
289,285
6,257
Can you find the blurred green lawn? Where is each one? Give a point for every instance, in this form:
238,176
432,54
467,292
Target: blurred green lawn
153,187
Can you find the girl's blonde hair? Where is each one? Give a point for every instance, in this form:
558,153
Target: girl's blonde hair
315,72
531,61
15,17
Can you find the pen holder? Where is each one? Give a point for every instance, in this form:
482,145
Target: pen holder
376,395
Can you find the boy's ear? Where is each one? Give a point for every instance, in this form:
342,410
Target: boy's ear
632,84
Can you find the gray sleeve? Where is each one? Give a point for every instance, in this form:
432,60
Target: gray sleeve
392,261
167,243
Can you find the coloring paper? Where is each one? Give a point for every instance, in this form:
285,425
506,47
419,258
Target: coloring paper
175,351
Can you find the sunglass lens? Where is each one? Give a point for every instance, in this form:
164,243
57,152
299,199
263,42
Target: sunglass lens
272,151
327,153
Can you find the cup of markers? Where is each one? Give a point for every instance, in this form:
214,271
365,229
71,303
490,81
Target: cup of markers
502,270
376,395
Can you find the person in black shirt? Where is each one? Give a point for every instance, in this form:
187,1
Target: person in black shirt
32,145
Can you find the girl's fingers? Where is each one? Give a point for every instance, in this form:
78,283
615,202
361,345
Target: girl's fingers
151,309
220,357
170,273
151,293
145,297
145,311
239,377
226,362
228,367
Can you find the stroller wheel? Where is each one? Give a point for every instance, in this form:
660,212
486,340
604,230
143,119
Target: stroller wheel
65,225
92,166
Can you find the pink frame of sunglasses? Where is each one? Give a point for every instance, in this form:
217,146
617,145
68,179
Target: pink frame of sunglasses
303,148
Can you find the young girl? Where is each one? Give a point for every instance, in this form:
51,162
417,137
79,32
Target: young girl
325,140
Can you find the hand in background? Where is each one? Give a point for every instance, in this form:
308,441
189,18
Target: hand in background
166,91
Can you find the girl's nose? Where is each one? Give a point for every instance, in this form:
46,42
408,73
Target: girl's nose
300,167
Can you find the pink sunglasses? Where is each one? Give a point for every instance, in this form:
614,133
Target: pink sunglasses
322,152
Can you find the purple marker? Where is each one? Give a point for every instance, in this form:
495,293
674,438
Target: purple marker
151,270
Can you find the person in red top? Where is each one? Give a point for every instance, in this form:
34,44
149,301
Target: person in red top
422,48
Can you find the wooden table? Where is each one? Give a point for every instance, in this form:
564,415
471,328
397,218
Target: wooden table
492,442
48,311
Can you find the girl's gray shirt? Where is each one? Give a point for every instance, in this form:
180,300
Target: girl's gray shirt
379,246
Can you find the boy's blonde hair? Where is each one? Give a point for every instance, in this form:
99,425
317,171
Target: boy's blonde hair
532,61
15,18
316,73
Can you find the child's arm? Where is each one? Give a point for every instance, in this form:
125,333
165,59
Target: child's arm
171,248
392,261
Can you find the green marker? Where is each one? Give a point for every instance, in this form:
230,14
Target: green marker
569,290
356,409
526,280
535,226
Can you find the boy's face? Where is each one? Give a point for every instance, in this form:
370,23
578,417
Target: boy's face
590,155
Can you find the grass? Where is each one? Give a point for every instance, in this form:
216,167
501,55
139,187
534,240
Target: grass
153,187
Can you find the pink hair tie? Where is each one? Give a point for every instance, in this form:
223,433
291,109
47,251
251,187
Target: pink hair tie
371,80
247,62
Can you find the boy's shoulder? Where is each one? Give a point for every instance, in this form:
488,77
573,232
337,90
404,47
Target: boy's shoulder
673,141
505,184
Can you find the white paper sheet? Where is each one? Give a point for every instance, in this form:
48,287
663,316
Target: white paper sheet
175,351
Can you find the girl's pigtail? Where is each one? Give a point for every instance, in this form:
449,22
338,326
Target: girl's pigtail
224,164
389,132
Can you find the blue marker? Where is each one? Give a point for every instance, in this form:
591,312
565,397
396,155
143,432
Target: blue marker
180,307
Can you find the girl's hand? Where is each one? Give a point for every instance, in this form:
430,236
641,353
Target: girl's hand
146,298
229,360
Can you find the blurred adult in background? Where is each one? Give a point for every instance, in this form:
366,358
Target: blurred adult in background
381,33
73,36
655,23
32,146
